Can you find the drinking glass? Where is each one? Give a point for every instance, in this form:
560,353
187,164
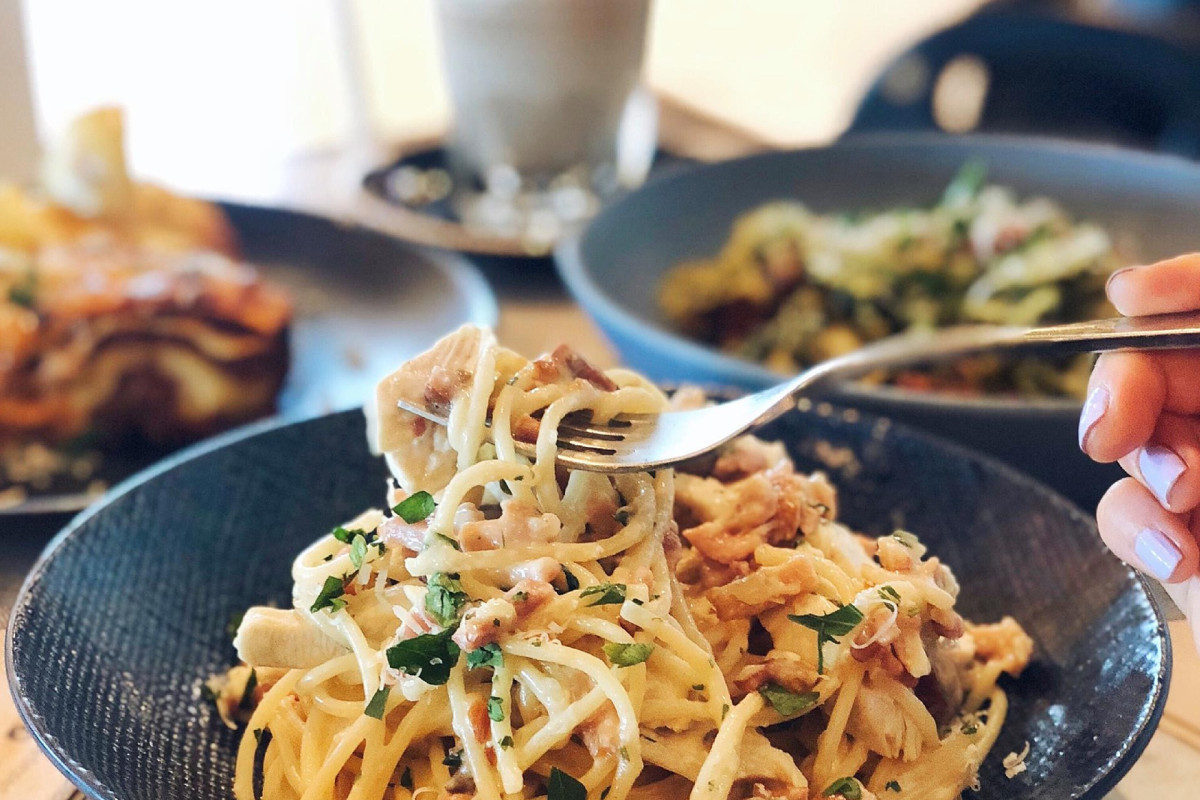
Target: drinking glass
549,113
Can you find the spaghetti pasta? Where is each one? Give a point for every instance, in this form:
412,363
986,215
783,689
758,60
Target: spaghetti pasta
506,629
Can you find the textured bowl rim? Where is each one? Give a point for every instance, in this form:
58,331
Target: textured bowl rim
1117,767
577,273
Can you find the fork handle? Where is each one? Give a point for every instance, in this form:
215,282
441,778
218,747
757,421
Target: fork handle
1156,332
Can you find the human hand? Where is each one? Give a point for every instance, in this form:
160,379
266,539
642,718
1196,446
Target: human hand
1143,411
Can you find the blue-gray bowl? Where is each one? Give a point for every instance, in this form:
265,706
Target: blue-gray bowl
125,615
615,266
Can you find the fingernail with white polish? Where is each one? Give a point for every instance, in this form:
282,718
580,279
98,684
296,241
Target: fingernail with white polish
1123,270
1158,554
1093,410
1161,468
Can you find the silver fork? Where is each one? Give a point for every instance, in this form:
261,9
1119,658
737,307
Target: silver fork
636,443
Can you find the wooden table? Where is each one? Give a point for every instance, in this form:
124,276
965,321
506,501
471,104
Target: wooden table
535,316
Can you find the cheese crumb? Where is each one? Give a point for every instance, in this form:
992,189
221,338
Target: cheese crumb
1014,763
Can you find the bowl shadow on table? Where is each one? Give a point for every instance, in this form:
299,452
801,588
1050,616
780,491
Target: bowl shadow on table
109,676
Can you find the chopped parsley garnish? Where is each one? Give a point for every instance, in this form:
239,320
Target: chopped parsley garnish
698,687
330,595
624,753
506,742
724,711
626,655
829,627
907,539
415,507
848,788
24,293
495,709
378,703
453,759
406,780
346,535
487,656
247,701
561,786
892,786
969,728
606,594
888,593
787,702
429,656
440,538
235,622
622,516
358,551
571,581
445,599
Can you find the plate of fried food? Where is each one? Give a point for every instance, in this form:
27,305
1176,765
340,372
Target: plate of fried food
836,607
136,320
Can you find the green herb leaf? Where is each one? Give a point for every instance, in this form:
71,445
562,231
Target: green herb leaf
24,293
445,599
561,786
415,507
406,780
626,655
506,742
829,627
571,581
787,702
487,656
429,656
848,788
966,183
622,516
330,595
888,593
247,701
892,786
235,622
358,551
969,728
606,594
438,538
378,703
346,535
495,709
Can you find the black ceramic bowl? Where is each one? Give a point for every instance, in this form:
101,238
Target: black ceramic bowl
125,615
614,268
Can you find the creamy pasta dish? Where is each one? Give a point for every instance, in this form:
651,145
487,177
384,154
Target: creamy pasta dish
505,628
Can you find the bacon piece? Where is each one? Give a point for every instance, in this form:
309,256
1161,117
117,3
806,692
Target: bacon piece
519,524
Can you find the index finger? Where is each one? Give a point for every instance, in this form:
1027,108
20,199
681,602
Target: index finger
1165,287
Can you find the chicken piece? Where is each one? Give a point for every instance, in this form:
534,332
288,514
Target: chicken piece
769,507
278,637
765,587
520,524
878,720
746,455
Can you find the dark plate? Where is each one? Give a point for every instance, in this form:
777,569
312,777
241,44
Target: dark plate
364,302
615,267
125,614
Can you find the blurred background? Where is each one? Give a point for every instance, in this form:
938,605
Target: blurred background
220,96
